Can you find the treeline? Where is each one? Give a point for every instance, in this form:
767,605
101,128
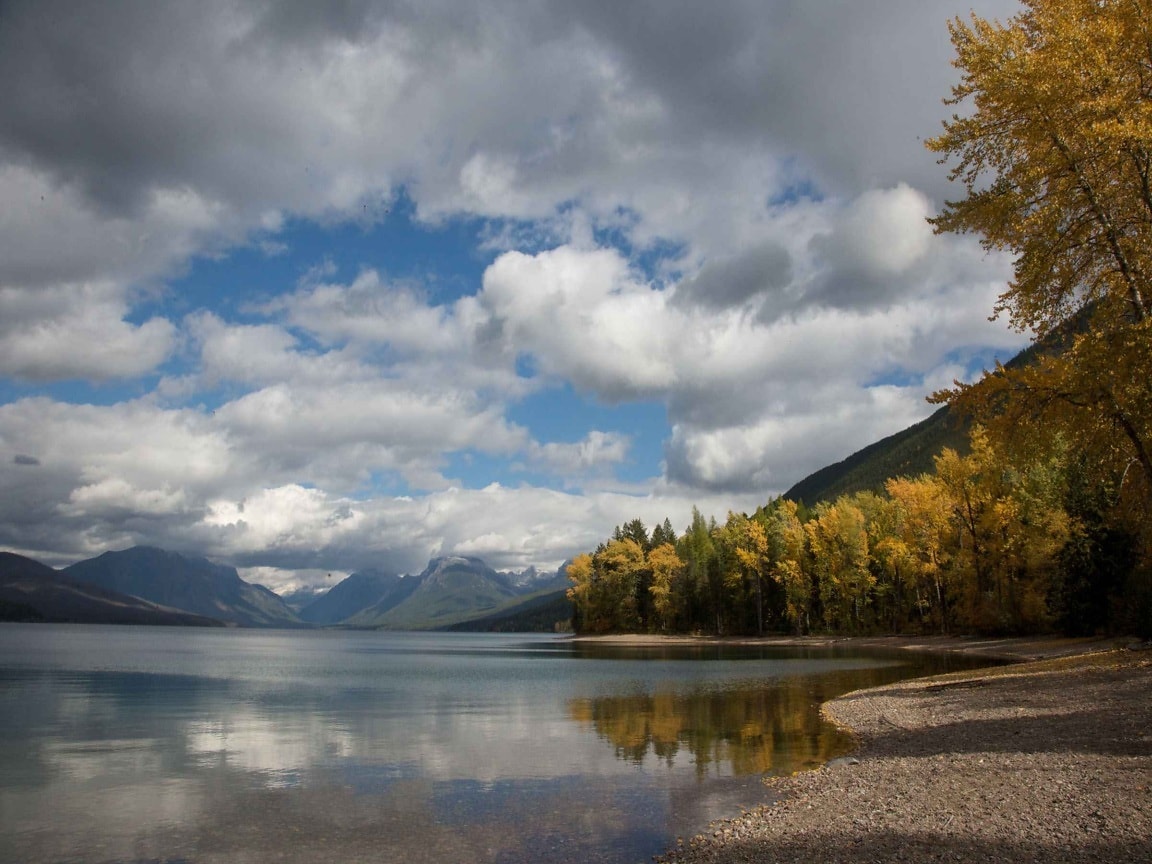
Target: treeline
989,542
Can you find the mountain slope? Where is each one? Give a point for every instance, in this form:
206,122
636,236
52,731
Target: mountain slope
910,452
31,591
301,597
450,590
536,613
905,454
360,591
190,584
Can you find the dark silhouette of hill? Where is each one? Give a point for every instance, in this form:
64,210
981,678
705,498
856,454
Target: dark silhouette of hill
906,454
31,591
910,452
539,613
190,584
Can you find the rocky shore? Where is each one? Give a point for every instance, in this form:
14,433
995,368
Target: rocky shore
1045,761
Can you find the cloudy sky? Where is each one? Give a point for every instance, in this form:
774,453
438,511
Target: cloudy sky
307,287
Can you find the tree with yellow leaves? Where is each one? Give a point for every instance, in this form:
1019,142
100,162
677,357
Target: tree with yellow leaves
749,562
1010,526
666,568
604,589
1055,155
788,551
924,529
838,542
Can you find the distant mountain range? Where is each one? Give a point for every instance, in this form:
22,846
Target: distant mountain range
145,585
31,591
191,584
451,591
364,590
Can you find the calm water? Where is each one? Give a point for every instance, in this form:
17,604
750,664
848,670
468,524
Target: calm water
122,744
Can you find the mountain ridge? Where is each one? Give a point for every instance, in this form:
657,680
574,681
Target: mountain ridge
31,591
192,584
451,588
359,591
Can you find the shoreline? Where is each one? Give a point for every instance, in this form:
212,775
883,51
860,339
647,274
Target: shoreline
1012,649
1047,759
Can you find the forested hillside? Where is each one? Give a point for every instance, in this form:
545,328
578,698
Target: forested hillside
989,542
905,454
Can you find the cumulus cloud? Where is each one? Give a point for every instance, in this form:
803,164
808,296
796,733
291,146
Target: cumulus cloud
717,209
77,331
597,452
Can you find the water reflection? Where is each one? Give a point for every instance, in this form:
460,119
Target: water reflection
748,730
145,744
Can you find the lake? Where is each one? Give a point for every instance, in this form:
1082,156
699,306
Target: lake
186,746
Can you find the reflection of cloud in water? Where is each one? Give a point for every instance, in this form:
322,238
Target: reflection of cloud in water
84,761
279,751
107,819
281,747
413,820
340,755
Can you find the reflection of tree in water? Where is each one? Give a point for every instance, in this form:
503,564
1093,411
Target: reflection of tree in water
750,729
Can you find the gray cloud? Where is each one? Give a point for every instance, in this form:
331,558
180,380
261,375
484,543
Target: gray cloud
774,145
736,280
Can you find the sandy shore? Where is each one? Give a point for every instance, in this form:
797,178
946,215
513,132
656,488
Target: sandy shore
1045,761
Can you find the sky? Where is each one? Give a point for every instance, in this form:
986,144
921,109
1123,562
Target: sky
312,287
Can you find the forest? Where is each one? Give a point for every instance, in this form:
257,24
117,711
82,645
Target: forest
989,542
1044,522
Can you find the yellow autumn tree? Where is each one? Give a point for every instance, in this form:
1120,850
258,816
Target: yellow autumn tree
838,542
787,549
666,568
605,586
925,532
1009,526
748,564
1054,151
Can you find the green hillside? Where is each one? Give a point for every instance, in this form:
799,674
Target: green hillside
450,590
910,451
537,613
907,453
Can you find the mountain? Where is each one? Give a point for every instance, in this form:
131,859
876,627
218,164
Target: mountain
190,584
536,613
450,590
31,591
360,591
533,581
909,453
905,454
298,599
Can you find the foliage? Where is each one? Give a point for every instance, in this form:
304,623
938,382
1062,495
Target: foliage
1055,156
997,541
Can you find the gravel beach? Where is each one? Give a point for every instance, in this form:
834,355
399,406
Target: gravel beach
1045,761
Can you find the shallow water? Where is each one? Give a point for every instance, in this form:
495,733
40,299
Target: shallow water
122,744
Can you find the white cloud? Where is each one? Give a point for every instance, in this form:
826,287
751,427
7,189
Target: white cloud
77,331
719,208
597,451
583,316
882,233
